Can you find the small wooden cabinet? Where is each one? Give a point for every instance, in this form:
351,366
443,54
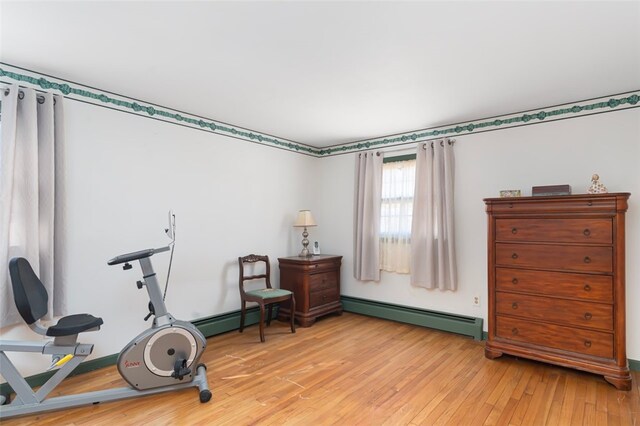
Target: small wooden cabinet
557,281
315,282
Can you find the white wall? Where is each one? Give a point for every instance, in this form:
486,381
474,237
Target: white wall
123,173
233,197
566,151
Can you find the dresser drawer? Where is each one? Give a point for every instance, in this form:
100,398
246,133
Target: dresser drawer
323,281
588,342
547,256
597,231
319,298
562,284
561,311
566,204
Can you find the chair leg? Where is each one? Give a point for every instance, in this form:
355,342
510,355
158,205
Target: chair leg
293,313
262,322
269,314
243,310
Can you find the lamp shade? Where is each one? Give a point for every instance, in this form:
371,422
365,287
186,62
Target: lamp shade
304,219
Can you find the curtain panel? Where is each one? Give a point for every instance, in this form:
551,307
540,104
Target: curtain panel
433,255
30,149
368,184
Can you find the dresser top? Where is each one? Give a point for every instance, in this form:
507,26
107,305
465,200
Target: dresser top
611,203
557,197
310,259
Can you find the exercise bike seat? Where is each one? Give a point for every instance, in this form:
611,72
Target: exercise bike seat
74,324
31,300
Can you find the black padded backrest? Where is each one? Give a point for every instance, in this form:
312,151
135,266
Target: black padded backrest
28,292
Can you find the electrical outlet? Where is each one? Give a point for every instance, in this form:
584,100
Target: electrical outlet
476,300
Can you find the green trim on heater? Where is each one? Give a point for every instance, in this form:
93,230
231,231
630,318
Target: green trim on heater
219,324
460,324
210,326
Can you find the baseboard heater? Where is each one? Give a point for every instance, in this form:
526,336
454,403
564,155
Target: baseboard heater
460,324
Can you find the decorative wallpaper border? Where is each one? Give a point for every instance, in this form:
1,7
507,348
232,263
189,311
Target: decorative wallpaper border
91,95
570,110
123,103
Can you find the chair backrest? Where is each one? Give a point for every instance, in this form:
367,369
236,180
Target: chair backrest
253,259
28,291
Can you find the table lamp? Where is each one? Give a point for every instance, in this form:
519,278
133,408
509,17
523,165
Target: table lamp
304,220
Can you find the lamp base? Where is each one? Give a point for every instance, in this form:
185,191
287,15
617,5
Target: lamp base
305,253
305,242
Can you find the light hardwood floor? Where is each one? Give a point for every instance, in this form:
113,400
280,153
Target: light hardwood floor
352,370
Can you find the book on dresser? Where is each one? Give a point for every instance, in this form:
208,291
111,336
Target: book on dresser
556,281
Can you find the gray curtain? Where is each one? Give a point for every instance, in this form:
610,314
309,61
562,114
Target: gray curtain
368,193
32,133
433,254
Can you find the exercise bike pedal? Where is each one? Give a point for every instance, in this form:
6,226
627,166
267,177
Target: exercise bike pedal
180,369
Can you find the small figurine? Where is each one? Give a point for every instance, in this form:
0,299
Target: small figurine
596,186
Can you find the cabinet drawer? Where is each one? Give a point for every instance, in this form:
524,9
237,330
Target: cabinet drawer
555,230
546,256
319,298
322,267
562,284
323,281
589,342
562,311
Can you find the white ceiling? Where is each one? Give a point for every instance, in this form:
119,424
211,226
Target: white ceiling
324,73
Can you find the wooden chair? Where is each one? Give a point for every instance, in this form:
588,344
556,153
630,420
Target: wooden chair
264,297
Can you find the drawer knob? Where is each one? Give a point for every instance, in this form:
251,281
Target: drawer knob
514,305
587,343
590,203
514,256
588,316
514,281
514,330
587,287
510,205
315,266
514,230
587,259
586,232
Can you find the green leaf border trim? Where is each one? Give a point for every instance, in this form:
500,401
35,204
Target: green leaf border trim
164,114
569,110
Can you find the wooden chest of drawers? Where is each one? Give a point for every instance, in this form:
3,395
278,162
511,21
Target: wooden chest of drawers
315,282
557,282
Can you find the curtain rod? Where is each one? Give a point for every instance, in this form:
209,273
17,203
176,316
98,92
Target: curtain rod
40,98
424,145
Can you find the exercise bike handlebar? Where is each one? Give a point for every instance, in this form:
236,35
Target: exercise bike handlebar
137,255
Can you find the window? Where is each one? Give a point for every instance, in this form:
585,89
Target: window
398,184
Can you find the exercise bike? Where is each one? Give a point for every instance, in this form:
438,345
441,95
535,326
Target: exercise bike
161,359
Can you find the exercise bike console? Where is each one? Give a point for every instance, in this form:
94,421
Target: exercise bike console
136,255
